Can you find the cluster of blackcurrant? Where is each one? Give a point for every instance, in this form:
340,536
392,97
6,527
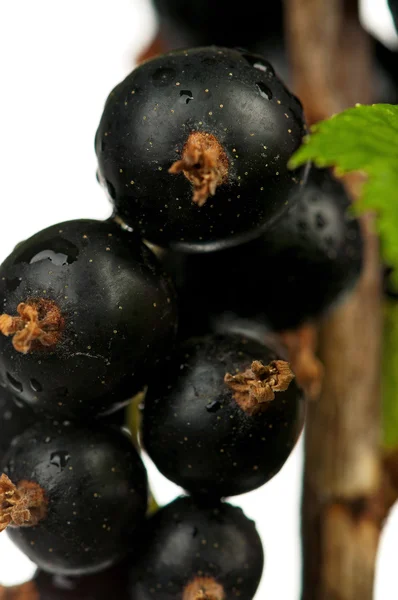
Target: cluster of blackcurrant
209,226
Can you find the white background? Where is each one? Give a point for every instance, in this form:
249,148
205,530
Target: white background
59,60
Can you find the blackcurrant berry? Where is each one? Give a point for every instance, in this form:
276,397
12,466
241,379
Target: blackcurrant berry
293,273
386,74
111,583
224,418
393,6
91,314
71,498
193,147
14,419
197,553
184,24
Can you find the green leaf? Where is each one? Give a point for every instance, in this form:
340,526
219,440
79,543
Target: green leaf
363,138
390,375
380,193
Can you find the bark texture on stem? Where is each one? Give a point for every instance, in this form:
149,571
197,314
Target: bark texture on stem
343,502
330,55
342,509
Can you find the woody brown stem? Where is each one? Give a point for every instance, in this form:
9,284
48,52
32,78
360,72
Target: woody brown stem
343,477
330,55
256,386
157,46
301,346
204,163
39,324
203,588
21,505
342,513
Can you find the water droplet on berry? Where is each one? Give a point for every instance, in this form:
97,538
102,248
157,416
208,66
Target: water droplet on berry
213,406
265,92
17,385
63,583
186,96
62,252
57,258
36,385
60,459
259,63
264,66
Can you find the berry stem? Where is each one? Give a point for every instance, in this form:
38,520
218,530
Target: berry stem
156,47
39,323
256,386
203,588
204,163
301,346
21,505
342,472
318,32
25,591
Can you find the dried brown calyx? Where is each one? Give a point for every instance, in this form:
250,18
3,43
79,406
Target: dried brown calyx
21,505
39,324
256,386
26,591
204,163
203,588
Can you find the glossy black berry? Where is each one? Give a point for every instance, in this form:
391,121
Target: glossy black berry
293,273
72,498
14,419
184,24
111,583
393,6
193,552
386,74
88,313
193,147
224,418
